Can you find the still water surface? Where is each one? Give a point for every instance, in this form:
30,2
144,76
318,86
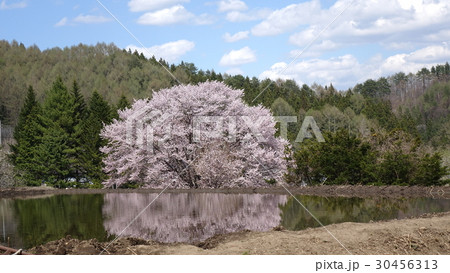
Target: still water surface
187,217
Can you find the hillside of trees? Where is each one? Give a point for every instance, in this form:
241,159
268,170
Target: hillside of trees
392,130
104,68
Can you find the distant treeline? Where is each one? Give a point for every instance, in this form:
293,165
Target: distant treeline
382,131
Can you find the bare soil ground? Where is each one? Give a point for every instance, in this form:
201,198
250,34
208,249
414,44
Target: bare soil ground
325,190
428,234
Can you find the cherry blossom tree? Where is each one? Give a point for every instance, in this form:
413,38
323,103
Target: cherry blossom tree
194,136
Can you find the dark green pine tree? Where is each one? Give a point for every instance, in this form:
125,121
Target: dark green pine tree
429,170
28,135
80,107
91,159
121,105
58,147
54,158
80,114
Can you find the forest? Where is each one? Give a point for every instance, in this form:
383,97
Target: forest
391,130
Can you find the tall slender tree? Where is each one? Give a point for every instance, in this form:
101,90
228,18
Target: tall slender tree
90,156
28,137
80,108
80,114
423,74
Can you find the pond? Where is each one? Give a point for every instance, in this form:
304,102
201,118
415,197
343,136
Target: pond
187,217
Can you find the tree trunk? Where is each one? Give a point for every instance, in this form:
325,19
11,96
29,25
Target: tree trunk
184,170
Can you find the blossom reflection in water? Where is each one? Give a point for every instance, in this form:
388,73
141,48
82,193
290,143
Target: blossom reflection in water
189,217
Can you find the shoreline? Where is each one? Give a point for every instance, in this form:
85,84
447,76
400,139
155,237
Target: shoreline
324,190
424,235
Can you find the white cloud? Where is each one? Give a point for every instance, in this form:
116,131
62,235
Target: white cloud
16,5
169,52
62,22
395,25
231,5
237,57
430,54
278,71
442,35
91,19
399,25
146,5
304,37
255,14
339,71
235,37
413,61
387,22
288,18
82,19
345,71
173,15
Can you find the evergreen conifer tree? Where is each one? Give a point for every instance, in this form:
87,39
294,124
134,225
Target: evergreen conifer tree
58,146
90,155
80,113
121,105
28,137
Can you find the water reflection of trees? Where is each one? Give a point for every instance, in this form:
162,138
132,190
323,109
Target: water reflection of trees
8,224
189,217
52,218
331,210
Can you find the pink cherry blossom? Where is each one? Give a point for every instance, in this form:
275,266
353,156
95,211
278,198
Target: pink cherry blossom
153,143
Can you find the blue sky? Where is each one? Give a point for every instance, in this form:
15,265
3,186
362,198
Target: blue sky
341,42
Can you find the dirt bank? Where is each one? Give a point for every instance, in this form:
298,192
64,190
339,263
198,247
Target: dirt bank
428,234
346,191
